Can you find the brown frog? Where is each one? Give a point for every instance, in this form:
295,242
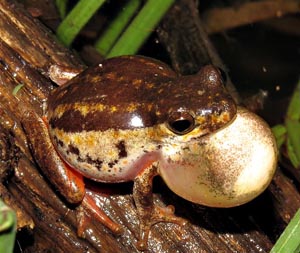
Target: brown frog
132,118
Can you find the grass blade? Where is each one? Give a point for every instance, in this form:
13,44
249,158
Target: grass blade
116,27
141,27
76,19
292,123
279,132
8,228
62,7
289,241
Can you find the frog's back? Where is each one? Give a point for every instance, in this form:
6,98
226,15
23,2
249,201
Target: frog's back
134,92
110,92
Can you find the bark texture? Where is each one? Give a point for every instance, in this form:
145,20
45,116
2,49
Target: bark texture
47,223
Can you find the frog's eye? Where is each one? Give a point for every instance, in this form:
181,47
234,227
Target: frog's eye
181,122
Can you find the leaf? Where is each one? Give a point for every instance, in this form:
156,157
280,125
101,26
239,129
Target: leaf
8,224
289,241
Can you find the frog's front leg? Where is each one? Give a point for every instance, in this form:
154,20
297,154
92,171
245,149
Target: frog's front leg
66,180
149,213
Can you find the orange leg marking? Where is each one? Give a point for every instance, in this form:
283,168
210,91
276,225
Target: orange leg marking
89,204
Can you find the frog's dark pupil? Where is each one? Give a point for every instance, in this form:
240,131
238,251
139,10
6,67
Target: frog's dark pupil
181,126
181,122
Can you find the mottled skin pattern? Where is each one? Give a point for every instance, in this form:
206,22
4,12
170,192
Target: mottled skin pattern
128,118
123,120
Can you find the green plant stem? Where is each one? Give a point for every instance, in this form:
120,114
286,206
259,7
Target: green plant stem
62,7
291,153
17,89
116,27
289,241
292,123
76,19
8,228
141,27
279,132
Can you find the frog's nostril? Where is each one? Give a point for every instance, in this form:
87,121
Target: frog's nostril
181,123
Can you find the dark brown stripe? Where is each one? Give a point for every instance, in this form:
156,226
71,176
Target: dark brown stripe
123,81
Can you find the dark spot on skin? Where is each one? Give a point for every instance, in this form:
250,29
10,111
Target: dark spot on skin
79,159
122,149
97,163
59,142
111,164
72,149
89,159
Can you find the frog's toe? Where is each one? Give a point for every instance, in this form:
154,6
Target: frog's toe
160,214
166,214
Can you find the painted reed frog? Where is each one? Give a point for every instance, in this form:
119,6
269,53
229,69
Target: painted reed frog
132,118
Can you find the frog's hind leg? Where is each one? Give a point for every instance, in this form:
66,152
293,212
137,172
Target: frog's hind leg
149,213
89,203
66,180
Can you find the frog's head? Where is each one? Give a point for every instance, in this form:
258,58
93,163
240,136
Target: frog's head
226,168
198,103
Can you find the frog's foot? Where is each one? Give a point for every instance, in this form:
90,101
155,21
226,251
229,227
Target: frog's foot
160,214
89,204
